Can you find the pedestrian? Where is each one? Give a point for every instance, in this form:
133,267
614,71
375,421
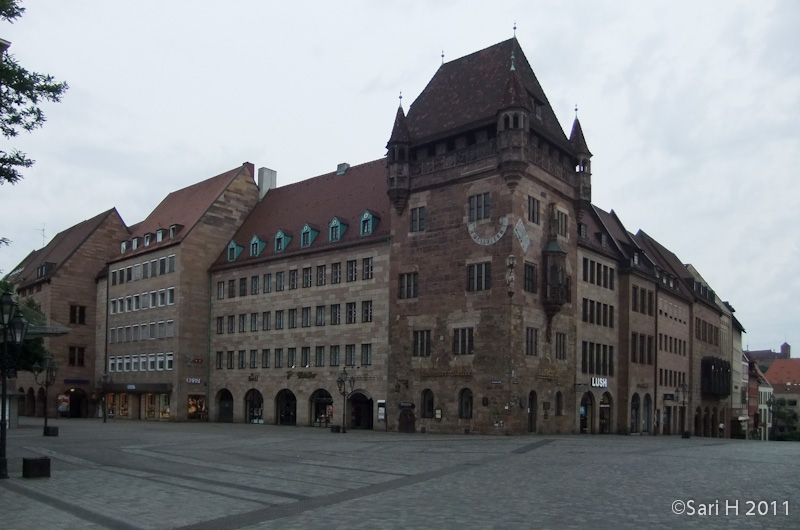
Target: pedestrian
721,429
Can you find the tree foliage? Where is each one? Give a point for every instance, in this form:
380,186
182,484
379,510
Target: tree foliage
21,93
31,351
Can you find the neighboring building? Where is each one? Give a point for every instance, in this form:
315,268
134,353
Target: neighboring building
761,419
61,278
784,376
765,358
487,343
156,290
301,293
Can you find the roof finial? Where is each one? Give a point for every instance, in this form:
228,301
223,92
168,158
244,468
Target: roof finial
401,99
442,56
515,29
576,111
512,61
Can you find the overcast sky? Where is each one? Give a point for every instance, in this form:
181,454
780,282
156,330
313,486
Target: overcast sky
691,111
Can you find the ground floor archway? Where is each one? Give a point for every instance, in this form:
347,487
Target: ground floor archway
77,404
646,409
285,408
321,408
360,410
224,400
254,406
587,414
605,413
635,413
406,421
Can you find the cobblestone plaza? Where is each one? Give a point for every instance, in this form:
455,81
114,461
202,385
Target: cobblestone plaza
126,475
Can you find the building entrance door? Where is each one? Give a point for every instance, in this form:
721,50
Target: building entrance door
532,406
406,422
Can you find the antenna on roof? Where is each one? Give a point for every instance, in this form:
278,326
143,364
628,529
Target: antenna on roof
442,56
42,231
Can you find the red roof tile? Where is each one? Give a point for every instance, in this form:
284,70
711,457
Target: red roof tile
782,371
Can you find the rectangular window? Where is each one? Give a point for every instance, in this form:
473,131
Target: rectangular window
334,356
253,358
336,272
320,315
306,316
479,207
72,355
279,319
231,324
292,318
649,349
611,360
278,357
220,290
534,208
291,357
242,286
350,310
306,276
242,358
162,329
265,358
418,219
267,282
408,285
293,279
563,223
350,355
305,357
242,323
231,288
366,354
479,276
366,311
171,263
463,341
253,321
530,278
319,356
254,287
279,278
352,271
561,346
635,298
634,347
366,269
160,362
321,274
531,341
265,320
170,328
153,268
336,314
422,343
170,296
162,265
219,360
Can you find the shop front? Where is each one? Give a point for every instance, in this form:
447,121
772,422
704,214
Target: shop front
148,401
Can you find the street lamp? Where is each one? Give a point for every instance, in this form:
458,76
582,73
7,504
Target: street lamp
342,382
14,328
682,396
104,381
49,377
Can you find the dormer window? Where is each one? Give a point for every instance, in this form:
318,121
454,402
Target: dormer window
256,246
233,251
159,235
307,236
635,258
173,230
281,241
368,223
147,240
336,230
123,247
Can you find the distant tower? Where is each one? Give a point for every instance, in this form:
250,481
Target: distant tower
512,128
583,166
786,351
398,161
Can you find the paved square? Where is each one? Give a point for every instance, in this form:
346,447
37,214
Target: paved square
222,476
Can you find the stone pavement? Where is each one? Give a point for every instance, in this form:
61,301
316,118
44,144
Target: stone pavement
146,475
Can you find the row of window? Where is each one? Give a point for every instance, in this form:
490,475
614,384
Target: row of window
142,271
265,323
273,358
265,284
145,362
336,229
597,359
598,313
126,304
147,239
671,311
706,331
77,314
671,378
671,344
154,330
642,300
598,274
641,348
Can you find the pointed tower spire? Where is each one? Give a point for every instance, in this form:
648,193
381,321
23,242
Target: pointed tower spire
397,160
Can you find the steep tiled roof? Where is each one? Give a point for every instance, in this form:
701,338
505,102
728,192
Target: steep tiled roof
400,129
577,140
665,260
782,371
317,201
184,207
57,251
595,228
468,92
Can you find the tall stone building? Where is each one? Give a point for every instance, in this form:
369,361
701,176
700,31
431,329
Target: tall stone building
486,193
61,278
156,294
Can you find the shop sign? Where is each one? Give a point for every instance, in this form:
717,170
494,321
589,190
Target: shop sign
131,387
193,380
599,382
435,372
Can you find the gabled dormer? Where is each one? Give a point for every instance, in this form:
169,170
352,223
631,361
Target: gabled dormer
124,246
174,230
256,246
307,236
369,222
282,240
136,242
336,230
234,250
148,238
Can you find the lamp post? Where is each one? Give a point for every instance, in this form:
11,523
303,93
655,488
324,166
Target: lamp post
342,382
104,381
682,396
49,377
14,328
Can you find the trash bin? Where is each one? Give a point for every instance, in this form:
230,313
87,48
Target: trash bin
686,434
51,431
336,428
36,467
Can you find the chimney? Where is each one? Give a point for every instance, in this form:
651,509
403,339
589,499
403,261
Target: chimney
267,179
341,168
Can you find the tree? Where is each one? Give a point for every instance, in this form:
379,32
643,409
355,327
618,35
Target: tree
31,351
21,92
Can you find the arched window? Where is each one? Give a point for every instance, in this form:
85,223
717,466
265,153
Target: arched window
427,403
465,404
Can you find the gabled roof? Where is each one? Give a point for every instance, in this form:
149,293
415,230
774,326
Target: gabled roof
57,252
603,222
665,260
783,371
467,93
184,207
317,201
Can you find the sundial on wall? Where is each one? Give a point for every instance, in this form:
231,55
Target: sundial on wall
490,239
